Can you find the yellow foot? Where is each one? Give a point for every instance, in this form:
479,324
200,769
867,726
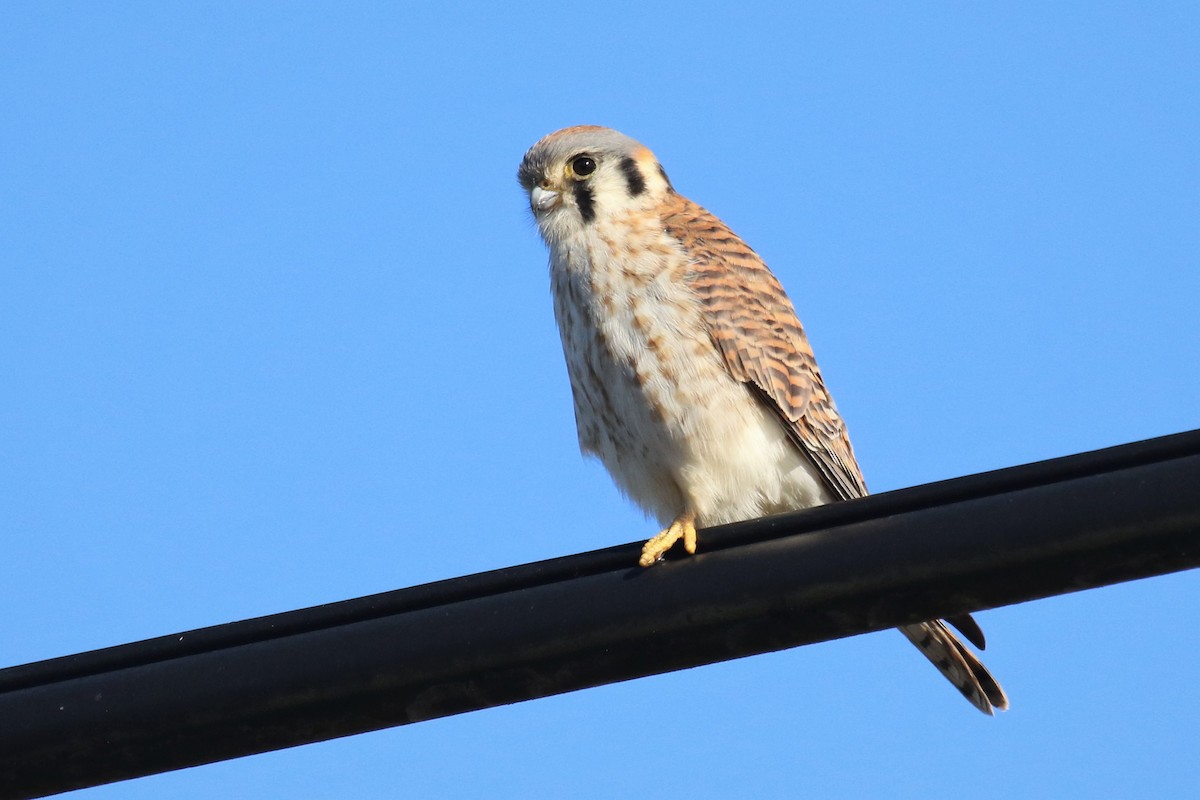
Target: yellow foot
684,527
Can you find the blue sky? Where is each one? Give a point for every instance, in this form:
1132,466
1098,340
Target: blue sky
275,331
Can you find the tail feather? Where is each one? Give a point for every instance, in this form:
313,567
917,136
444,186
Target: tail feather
960,666
968,627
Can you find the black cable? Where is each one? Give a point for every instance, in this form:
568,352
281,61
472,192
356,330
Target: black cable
555,626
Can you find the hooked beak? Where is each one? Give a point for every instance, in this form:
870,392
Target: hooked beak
542,199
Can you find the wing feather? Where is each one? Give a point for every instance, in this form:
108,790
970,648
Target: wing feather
754,326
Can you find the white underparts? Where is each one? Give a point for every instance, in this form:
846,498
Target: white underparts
653,399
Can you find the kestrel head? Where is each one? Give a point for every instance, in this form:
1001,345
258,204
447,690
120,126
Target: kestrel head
578,173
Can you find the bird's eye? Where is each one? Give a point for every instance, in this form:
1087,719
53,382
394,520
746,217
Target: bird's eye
582,166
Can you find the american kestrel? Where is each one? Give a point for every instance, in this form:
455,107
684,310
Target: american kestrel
693,380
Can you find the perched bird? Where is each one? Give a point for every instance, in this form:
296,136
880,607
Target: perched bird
693,380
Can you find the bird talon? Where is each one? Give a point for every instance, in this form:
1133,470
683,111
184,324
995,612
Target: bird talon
683,527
